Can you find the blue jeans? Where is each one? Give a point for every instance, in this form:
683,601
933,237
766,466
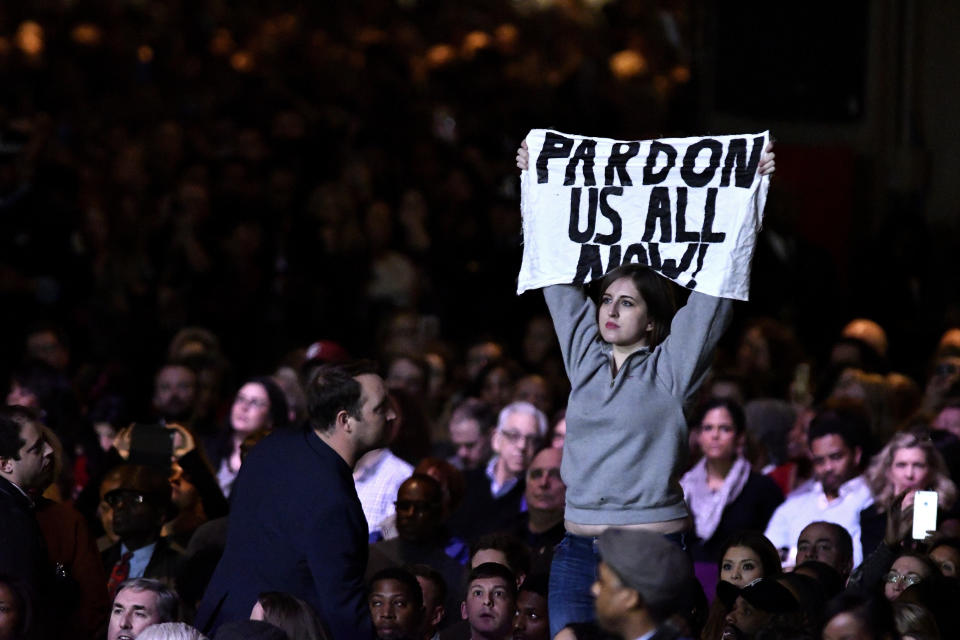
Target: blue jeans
572,574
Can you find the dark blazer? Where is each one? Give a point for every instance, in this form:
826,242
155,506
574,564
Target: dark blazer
296,526
479,512
23,553
164,563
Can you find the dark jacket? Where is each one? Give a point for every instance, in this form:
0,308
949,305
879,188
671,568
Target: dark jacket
296,526
23,554
479,512
164,563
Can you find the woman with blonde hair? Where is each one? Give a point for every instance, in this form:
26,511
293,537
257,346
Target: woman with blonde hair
908,463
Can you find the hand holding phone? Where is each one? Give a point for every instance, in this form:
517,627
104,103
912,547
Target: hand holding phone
924,514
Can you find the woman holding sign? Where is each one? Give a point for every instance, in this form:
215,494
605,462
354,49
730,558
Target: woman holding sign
632,361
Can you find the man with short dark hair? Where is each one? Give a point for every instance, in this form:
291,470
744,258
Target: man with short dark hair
828,543
422,537
296,524
490,602
471,426
532,620
25,457
139,603
839,494
396,604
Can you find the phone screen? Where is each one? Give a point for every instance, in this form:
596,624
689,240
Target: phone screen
924,514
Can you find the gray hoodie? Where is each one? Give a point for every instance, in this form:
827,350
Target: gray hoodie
626,434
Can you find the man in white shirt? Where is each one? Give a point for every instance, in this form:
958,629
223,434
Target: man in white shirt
839,492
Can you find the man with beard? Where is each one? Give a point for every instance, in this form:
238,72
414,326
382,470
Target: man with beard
839,494
296,524
175,393
754,607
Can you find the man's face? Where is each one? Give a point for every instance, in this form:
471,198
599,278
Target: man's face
818,541
531,621
516,441
612,599
133,611
833,462
418,510
432,606
489,607
394,610
175,392
473,446
545,490
36,457
134,514
744,621
372,427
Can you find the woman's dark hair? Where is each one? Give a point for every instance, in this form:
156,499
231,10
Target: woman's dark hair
23,605
874,613
293,615
657,292
759,544
279,411
733,408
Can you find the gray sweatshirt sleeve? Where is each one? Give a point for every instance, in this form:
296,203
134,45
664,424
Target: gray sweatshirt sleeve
685,356
575,321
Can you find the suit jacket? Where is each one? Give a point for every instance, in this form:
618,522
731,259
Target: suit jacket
164,563
23,553
296,526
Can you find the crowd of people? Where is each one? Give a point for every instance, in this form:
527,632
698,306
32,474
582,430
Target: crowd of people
207,219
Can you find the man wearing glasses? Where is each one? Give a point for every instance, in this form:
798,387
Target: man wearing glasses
139,504
494,495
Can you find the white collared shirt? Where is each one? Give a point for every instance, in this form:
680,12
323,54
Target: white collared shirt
811,505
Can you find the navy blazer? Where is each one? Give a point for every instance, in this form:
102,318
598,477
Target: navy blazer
295,526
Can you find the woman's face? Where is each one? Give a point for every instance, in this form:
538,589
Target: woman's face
622,317
9,612
251,409
908,471
740,566
717,435
906,570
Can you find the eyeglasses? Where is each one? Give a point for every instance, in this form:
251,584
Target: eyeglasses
115,498
256,403
946,369
515,437
417,506
908,580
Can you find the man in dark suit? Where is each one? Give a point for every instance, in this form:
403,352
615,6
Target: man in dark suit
140,503
296,524
25,456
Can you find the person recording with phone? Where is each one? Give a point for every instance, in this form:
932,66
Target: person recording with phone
907,464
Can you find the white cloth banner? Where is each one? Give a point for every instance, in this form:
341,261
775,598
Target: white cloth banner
689,208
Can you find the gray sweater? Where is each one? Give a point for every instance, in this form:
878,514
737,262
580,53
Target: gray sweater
626,434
